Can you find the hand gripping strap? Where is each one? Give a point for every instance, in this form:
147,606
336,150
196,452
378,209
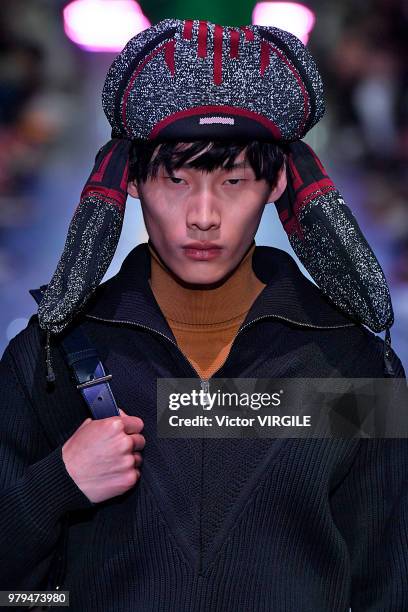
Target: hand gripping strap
89,373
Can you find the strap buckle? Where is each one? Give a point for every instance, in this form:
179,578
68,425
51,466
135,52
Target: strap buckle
94,381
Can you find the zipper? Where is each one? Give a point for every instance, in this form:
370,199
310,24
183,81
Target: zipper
205,386
205,382
150,329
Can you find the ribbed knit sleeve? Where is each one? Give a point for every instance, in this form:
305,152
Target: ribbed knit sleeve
370,508
35,488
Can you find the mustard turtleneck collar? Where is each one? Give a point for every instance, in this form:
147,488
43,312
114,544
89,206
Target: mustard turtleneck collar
190,306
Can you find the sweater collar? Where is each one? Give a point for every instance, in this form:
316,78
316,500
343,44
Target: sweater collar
185,306
127,297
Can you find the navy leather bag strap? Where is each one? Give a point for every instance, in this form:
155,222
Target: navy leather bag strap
83,360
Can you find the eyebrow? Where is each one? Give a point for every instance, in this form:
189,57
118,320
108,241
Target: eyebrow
243,164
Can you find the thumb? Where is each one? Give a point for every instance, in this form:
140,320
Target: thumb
131,422
88,420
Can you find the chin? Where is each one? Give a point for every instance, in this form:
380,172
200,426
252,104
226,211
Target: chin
202,277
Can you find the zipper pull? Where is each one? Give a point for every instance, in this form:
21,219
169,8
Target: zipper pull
205,386
50,372
387,353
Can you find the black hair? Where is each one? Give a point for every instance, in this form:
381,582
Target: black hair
265,158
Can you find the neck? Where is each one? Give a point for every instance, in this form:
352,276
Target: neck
221,302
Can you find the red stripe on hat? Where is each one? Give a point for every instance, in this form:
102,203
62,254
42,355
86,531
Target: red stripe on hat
169,55
202,39
301,85
97,177
292,226
311,192
234,43
207,110
283,215
217,73
265,57
124,181
102,194
249,35
297,180
317,160
188,29
132,80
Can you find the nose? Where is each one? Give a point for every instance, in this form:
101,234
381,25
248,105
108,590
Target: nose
203,211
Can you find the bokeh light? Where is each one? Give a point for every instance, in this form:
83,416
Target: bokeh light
103,25
291,16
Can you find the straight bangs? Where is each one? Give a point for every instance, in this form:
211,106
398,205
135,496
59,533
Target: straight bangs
265,158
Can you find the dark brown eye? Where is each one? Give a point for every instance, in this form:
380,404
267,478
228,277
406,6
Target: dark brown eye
174,179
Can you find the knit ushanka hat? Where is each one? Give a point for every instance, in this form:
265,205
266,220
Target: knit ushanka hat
194,79
186,80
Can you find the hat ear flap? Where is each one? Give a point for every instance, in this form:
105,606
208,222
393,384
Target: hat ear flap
92,238
93,235
326,237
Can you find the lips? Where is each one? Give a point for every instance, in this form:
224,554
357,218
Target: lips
202,253
205,246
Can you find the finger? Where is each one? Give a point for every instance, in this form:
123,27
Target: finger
138,459
133,424
139,442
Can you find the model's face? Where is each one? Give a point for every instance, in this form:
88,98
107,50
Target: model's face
223,207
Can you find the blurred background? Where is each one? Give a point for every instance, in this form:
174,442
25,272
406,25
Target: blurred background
54,56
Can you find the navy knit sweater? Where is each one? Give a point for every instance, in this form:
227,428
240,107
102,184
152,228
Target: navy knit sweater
220,525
